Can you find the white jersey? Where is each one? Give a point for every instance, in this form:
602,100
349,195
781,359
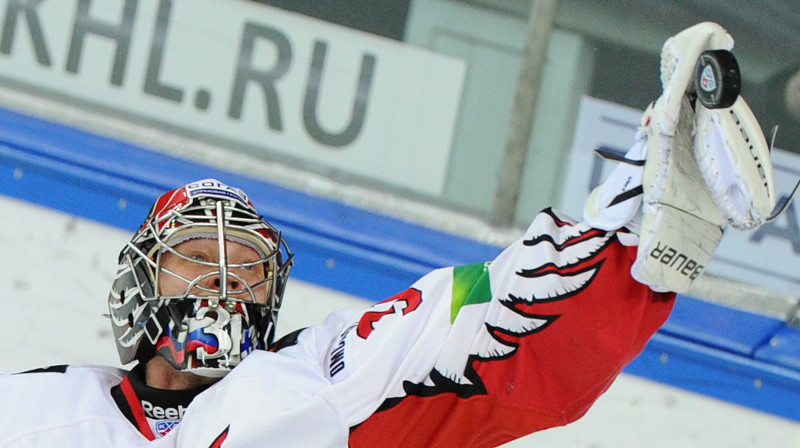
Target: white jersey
73,408
468,356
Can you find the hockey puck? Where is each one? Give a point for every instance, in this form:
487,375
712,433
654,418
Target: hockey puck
717,80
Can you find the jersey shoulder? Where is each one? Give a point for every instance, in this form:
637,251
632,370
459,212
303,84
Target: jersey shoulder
42,403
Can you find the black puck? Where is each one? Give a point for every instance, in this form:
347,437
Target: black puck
717,80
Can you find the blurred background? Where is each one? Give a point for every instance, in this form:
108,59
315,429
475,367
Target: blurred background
607,50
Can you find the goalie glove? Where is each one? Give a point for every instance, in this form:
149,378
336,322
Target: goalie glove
702,169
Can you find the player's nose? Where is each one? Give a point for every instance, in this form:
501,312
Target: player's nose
214,282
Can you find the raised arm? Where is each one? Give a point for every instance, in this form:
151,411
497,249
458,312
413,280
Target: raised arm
479,355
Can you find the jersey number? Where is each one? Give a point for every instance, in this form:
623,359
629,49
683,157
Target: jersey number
403,303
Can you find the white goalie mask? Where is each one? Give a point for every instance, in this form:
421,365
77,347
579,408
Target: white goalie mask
201,282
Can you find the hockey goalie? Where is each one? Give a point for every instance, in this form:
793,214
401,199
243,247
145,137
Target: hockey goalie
468,356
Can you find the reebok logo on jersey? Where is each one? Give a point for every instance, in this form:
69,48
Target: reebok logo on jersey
157,412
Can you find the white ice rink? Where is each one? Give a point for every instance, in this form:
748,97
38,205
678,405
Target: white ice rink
56,269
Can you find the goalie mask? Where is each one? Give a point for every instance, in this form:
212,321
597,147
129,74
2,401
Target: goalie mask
201,281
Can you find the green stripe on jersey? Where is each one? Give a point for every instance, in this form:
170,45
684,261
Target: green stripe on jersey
470,286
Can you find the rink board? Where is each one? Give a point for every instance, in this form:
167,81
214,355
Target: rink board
736,356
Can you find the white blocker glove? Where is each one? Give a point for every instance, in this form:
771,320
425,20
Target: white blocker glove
697,170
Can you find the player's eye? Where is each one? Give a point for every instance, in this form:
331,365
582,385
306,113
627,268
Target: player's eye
198,257
249,267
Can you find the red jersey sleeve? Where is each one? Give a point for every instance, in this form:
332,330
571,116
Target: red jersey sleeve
534,338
